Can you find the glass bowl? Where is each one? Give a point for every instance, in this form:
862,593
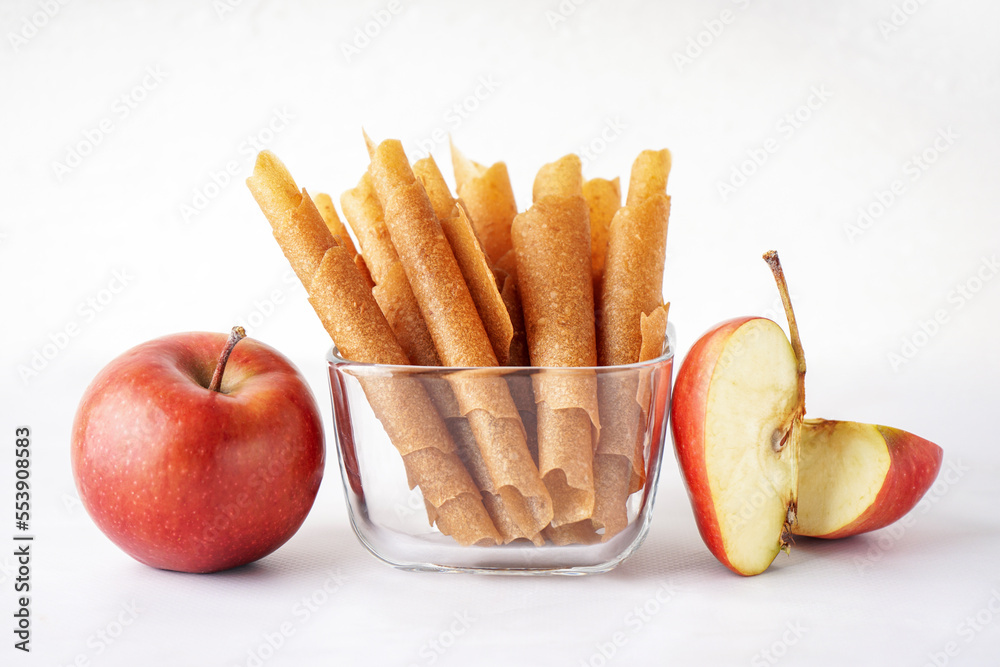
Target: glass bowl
398,429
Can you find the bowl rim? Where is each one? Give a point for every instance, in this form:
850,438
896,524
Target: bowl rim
334,359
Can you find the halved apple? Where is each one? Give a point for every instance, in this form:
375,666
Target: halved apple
735,412
854,478
757,471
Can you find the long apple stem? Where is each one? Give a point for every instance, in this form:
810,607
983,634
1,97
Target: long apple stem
793,434
771,257
235,336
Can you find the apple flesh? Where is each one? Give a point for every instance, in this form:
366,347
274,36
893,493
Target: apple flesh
855,478
734,416
185,478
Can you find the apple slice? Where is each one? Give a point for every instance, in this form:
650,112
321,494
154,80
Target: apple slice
855,478
738,405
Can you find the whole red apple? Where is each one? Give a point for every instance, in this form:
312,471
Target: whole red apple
193,470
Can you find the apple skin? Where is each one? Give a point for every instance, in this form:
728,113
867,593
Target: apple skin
184,478
687,424
914,465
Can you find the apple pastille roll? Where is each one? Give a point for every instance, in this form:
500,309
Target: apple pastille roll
472,261
392,290
552,246
325,206
348,311
604,198
479,277
459,336
488,198
631,287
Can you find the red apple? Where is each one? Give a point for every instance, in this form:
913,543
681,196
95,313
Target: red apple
195,471
757,471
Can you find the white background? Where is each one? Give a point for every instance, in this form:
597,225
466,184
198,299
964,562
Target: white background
224,73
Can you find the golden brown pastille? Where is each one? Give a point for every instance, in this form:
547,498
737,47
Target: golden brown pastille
349,313
324,204
630,288
471,259
488,197
552,245
392,290
339,232
604,198
459,336
482,286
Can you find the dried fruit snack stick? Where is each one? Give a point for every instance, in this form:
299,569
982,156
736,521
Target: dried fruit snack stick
604,198
471,260
441,394
654,333
324,204
349,313
488,198
458,335
552,246
633,272
631,287
392,290
512,300
468,451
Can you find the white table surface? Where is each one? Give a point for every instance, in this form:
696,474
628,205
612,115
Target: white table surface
199,78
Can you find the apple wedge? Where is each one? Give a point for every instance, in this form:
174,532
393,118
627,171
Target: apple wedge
855,478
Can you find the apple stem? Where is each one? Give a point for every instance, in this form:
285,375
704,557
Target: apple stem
771,257
235,336
793,433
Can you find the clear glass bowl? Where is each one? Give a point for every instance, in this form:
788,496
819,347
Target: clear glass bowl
391,519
